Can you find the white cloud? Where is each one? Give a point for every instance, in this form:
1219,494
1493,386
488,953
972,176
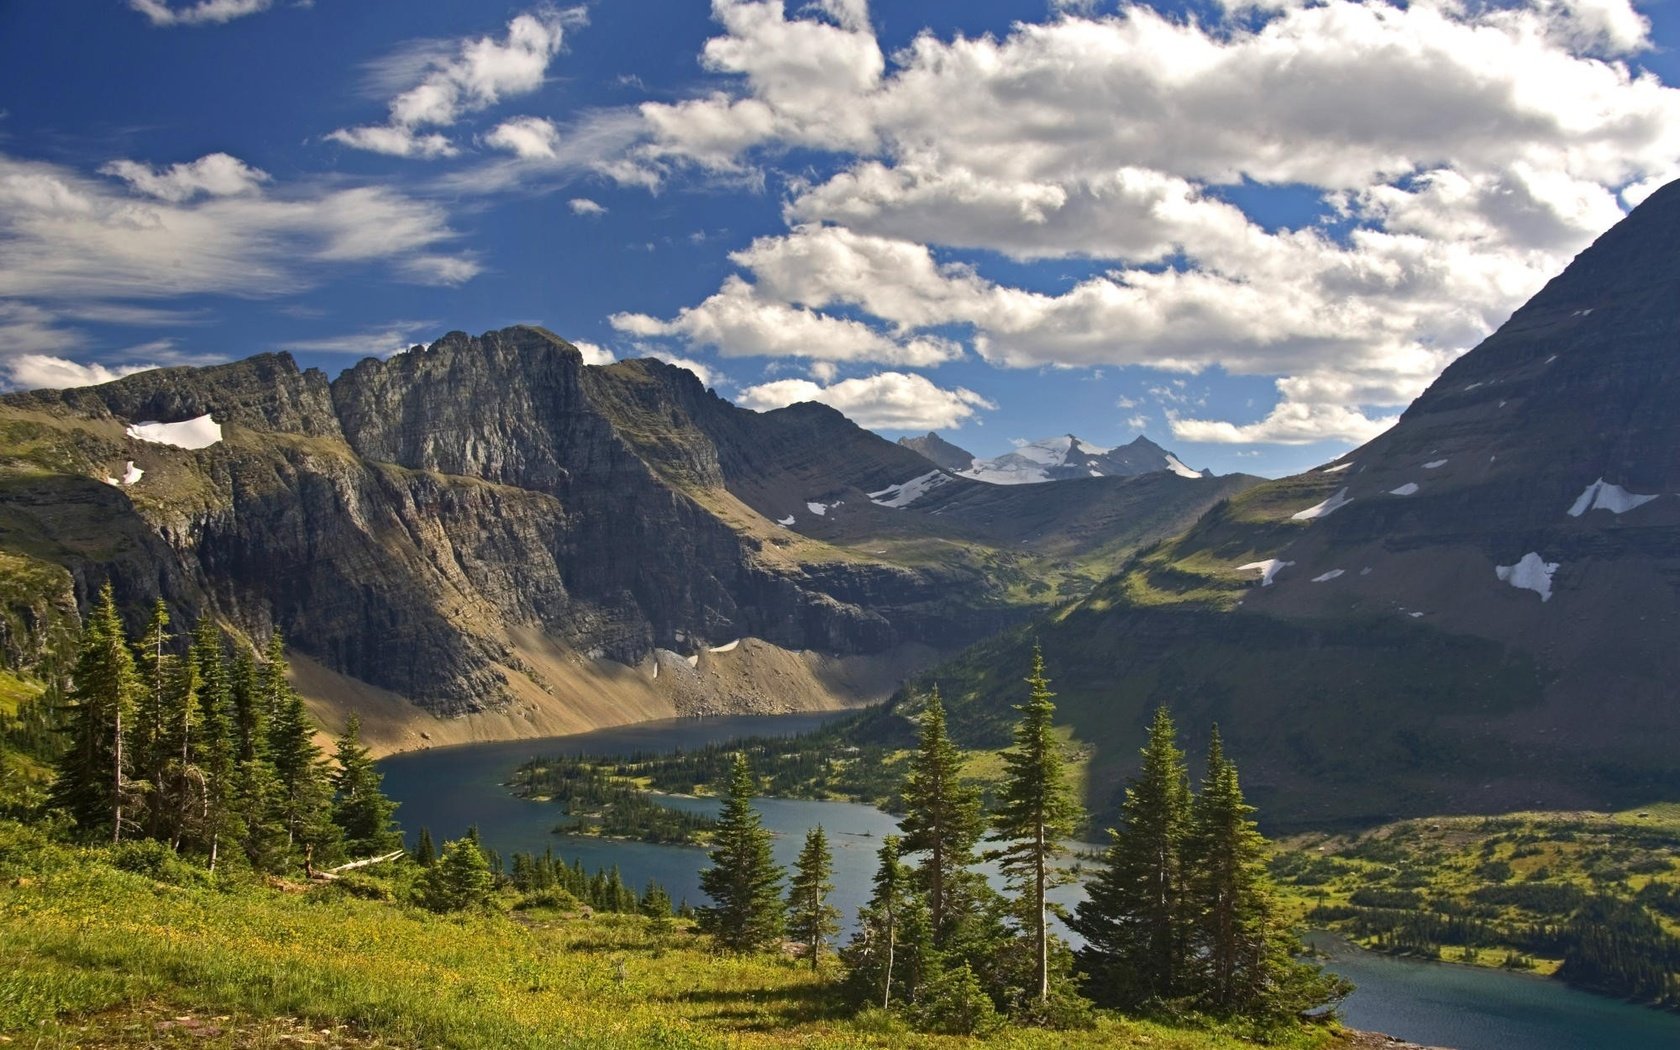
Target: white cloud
379,341
882,401
478,73
585,206
65,236
596,355
707,374
161,13
1468,151
43,371
526,137
215,175
739,322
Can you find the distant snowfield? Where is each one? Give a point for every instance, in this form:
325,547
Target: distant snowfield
1337,468
1325,509
1435,464
1327,577
906,493
1268,569
201,432
785,521
726,647
819,509
1408,489
1532,573
1601,495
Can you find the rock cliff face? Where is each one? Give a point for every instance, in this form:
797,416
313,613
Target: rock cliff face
415,523
1474,612
939,451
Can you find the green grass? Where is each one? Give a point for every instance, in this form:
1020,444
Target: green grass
87,948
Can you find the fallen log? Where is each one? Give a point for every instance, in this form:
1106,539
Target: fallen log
333,873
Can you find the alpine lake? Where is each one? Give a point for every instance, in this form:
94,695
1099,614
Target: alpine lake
450,788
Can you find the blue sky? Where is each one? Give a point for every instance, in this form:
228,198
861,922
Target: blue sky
1251,231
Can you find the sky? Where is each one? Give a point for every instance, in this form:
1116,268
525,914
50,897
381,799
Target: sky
1251,231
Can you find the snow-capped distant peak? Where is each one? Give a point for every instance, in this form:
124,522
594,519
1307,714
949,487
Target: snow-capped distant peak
1065,457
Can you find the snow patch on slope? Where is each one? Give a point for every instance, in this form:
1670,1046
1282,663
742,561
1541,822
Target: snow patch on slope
1408,489
1435,464
1323,510
1177,466
1268,569
785,521
726,647
906,493
1601,495
1327,577
819,509
1531,573
201,432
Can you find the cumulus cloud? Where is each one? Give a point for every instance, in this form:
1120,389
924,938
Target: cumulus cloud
161,13
1461,154
882,401
740,322
585,206
526,137
600,355
477,74
706,373
43,371
215,175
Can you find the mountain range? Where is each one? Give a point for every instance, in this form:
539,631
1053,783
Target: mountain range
1061,458
488,527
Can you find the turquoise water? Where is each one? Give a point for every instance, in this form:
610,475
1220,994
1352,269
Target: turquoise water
446,789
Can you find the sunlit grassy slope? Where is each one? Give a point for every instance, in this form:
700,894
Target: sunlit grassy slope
91,955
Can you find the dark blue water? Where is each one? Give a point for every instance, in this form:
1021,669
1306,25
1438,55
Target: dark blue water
447,789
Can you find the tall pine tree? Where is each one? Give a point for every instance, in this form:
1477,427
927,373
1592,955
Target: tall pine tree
92,783
360,808
942,820
744,881
213,750
303,795
891,954
1134,917
811,919
1036,811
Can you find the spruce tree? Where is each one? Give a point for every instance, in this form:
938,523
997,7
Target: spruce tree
461,879
213,750
151,739
360,808
874,973
1247,961
1134,916
305,790
425,854
1036,812
249,721
744,881
942,820
92,783
811,919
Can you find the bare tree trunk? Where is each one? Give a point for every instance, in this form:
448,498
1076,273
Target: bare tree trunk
892,936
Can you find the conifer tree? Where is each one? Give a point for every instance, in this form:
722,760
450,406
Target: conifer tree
425,854
744,881
360,808
212,752
249,722
942,819
872,955
151,738
460,879
811,919
92,783
1036,812
1134,916
304,797
1246,959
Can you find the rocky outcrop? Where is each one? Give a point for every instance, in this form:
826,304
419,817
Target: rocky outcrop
939,451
